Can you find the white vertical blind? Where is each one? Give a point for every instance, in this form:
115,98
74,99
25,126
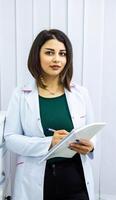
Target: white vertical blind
7,51
59,14
41,15
108,147
92,68
24,36
75,32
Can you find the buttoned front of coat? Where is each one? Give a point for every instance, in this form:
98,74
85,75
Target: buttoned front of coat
24,136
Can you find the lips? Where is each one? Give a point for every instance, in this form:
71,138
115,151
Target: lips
55,67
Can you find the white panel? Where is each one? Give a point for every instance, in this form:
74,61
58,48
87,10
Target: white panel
75,32
41,15
108,197
92,68
7,51
24,38
59,14
93,47
108,171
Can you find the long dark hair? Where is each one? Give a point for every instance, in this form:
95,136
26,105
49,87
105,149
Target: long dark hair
34,65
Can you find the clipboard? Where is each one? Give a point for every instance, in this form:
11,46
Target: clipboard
61,149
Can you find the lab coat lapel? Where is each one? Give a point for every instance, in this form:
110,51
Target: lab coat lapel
75,107
31,96
32,100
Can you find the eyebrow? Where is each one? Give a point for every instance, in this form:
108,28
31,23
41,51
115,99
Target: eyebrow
53,49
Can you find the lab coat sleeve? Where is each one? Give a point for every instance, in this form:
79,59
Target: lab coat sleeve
15,139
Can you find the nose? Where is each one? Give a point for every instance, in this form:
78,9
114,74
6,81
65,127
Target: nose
56,58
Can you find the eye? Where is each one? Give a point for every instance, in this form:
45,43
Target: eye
50,53
63,54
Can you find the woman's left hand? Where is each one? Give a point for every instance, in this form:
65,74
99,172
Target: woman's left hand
83,146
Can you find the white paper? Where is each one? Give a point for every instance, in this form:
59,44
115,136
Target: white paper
62,150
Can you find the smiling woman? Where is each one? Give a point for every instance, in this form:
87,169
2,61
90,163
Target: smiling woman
52,102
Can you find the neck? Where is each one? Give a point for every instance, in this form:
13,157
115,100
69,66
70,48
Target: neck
53,87
51,82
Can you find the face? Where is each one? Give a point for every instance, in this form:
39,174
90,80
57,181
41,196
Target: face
53,57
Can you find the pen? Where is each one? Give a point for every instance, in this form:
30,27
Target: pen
51,129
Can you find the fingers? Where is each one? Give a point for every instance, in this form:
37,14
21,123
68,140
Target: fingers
58,136
85,142
82,147
62,132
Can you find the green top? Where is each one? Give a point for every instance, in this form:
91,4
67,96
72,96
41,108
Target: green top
55,114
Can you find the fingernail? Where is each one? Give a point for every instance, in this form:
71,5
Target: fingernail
70,148
77,141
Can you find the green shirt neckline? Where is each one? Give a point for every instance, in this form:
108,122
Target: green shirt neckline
55,114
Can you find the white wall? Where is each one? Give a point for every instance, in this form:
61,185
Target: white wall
90,24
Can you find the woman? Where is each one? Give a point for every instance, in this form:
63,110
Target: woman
52,102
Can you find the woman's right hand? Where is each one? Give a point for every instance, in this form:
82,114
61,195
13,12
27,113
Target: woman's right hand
58,136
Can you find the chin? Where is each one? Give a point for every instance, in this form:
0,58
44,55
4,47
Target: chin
54,73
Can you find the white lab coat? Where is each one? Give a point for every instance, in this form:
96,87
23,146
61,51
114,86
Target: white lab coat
24,136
